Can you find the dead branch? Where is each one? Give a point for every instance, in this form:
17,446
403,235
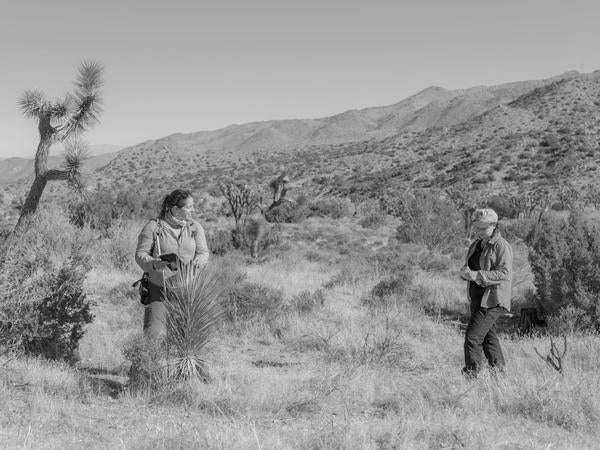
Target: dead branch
555,358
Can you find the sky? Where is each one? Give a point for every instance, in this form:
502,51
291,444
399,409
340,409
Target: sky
192,65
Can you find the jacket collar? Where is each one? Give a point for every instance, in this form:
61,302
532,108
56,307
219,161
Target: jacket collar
495,237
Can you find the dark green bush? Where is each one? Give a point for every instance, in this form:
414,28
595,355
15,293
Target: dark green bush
47,319
43,308
565,260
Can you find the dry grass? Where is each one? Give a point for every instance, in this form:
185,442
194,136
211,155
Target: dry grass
341,376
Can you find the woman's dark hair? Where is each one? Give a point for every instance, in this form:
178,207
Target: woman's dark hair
175,198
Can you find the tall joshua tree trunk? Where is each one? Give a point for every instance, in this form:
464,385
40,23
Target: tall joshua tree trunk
61,121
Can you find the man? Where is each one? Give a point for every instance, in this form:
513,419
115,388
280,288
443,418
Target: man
488,271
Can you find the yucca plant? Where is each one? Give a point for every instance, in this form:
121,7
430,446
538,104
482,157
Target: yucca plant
194,311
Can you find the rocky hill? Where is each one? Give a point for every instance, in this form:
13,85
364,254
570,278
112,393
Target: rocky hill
511,136
514,136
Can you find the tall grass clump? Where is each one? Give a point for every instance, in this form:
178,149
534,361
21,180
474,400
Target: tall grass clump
565,261
194,302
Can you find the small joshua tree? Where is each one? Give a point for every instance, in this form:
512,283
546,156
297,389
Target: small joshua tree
241,200
62,121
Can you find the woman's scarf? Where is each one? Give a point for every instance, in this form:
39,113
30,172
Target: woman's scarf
174,222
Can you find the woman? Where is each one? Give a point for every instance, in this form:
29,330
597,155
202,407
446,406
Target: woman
180,240
488,270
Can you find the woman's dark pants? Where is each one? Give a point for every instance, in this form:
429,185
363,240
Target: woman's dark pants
155,312
481,335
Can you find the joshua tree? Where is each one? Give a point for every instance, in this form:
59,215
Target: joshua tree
62,121
241,200
279,187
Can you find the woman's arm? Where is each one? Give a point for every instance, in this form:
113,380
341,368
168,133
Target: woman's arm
202,252
143,251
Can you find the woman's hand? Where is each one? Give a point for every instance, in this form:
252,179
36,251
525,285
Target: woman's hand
160,266
467,274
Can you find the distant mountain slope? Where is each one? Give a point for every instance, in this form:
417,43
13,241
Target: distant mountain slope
14,169
432,107
507,138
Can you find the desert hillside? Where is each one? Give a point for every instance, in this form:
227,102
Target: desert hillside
512,137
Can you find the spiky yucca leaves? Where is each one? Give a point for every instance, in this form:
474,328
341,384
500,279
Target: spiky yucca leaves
194,311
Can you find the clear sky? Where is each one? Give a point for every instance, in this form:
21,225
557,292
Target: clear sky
191,65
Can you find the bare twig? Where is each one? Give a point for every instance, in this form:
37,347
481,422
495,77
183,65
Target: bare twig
555,358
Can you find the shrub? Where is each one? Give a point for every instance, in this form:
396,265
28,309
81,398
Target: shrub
429,220
148,364
432,262
395,285
335,208
504,205
517,228
249,300
102,208
565,261
286,212
306,301
219,241
373,214
43,308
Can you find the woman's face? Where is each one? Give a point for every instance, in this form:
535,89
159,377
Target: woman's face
185,210
483,230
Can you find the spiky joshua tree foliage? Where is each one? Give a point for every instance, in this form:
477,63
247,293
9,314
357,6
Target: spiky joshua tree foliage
194,302
62,121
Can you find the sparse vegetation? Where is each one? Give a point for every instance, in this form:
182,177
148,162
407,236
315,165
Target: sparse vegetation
353,315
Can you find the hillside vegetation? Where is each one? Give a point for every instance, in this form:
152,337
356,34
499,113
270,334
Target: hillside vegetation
513,137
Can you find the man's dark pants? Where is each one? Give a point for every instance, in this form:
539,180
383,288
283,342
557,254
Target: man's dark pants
481,335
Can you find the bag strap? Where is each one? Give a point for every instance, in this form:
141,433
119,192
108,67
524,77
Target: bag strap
155,234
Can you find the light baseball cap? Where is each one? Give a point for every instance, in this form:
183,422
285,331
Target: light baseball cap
484,216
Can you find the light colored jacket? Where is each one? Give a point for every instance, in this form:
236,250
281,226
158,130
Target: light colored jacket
496,262
188,243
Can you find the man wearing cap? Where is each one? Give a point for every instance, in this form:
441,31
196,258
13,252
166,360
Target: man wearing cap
488,271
